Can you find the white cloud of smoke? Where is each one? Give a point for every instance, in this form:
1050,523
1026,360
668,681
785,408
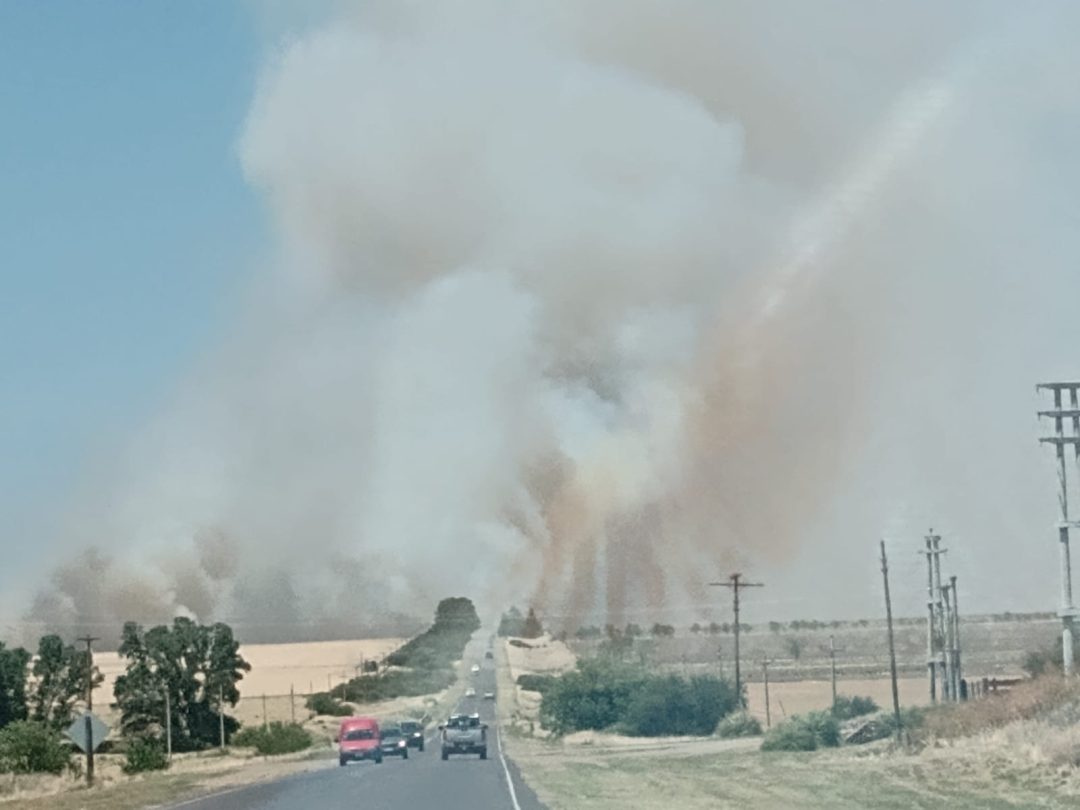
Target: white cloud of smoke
585,301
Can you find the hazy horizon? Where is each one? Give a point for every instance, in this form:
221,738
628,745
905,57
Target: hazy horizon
578,305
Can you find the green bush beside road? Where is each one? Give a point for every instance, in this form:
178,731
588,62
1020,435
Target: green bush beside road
806,732
27,746
145,754
738,724
276,738
607,694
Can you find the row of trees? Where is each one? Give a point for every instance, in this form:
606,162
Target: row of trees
421,666
44,688
658,630
190,668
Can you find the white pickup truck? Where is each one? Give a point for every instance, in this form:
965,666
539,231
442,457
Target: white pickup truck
464,734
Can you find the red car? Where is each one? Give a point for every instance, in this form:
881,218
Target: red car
358,738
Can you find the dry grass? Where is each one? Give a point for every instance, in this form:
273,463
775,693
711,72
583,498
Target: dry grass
1051,699
190,774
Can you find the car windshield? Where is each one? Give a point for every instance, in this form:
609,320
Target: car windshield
360,734
409,727
391,731
464,722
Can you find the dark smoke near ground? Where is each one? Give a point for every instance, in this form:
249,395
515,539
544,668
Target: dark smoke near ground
583,304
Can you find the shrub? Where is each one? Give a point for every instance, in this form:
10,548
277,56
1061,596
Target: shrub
604,693
825,727
324,703
535,683
847,708
1040,662
738,724
30,747
276,738
806,732
145,754
592,697
790,736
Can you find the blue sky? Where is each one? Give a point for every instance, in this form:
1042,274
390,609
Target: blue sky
126,227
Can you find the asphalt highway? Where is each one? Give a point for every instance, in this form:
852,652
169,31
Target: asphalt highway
421,781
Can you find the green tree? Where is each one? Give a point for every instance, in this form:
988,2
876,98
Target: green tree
60,673
199,666
511,624
13,663
532,627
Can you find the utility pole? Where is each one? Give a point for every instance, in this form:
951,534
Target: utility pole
892,643
765,675
292,704
266,720
1067,612
832,665
735,582
943,661
957,674
221,716
89,640
931,621
949,646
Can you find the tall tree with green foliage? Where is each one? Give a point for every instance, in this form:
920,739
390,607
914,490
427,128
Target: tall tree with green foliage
532,628
13,663
512,624
199,666
61,675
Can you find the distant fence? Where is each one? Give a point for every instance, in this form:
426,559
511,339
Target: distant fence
259,709
975,688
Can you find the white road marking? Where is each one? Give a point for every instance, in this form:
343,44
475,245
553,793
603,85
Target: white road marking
506,770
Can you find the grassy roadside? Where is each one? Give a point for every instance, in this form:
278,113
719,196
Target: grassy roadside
190,777
1015,751
749,779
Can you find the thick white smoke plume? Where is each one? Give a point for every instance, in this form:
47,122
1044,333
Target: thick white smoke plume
581,302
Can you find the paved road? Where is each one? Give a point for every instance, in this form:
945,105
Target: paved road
422,781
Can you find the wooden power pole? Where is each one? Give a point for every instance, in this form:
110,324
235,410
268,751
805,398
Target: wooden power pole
736,583
892,642
765,676
89,640
833,650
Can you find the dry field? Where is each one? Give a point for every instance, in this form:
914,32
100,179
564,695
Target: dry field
275,669
991,648
997,754
742,778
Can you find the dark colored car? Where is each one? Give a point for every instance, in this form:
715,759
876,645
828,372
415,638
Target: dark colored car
392,742
414,734
489,654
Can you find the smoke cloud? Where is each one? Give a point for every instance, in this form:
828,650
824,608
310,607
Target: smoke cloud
585,303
